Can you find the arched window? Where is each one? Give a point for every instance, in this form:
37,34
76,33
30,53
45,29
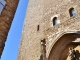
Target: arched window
55,21
72,12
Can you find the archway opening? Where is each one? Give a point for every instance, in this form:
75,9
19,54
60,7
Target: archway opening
61,48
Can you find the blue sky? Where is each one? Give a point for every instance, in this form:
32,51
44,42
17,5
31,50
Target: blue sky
13,40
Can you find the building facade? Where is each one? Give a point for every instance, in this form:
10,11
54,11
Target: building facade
50,28
7,12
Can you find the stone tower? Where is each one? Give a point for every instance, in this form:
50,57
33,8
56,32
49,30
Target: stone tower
7,12
51,27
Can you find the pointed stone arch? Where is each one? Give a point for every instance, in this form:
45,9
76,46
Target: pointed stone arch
62,36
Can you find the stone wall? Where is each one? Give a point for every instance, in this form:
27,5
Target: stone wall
30,48
69,24
6,18
41,13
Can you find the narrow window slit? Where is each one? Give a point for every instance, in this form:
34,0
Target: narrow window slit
38,27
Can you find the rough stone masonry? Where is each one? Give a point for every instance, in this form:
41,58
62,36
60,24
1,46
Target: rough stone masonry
39,25
6,18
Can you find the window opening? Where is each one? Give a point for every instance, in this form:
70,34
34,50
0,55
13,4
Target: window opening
2,4
38,27
55,21
72,12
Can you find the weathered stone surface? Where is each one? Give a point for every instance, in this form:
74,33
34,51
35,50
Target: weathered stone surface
41,12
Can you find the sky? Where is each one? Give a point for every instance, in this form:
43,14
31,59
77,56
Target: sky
13,39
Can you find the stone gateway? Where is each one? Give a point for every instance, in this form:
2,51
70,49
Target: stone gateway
50,28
